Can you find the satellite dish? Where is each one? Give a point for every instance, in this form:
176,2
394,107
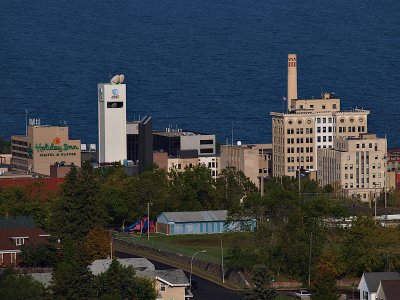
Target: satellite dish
121,78
239,143
115,79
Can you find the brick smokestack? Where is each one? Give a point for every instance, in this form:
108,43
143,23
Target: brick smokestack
292,81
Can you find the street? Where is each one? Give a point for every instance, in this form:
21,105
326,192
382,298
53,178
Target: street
206,290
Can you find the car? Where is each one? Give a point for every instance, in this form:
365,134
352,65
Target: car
302,293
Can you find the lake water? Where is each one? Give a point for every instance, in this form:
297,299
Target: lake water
200,65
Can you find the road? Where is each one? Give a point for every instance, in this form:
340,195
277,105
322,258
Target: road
206,290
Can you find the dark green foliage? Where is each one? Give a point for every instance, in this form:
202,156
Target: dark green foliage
120,282
17,287
325,287
38,255
71,277
79,209
261,290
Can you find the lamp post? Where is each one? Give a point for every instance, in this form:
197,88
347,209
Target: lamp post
222,260
191,267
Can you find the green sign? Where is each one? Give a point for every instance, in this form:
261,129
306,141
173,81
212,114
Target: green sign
57,148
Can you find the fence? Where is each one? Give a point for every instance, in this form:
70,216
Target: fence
27,270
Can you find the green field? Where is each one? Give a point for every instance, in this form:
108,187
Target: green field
188,244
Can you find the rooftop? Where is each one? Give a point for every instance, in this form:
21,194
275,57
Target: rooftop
17,222
196,216
372,279
172,277
140,264
178,132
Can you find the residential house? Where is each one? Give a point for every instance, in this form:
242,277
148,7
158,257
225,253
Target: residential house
370,281
388,290
15,232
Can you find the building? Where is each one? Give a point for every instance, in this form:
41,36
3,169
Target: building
388,290
309,124
42,147
356,165
139,141
170,283
370,281
393,159
255,161
14,233
200,222
89,153
173,140
213,163
112,121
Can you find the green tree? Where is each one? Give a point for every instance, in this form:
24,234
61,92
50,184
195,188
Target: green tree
38,255
261,290
120,282
79,207
16,286
325,283
71,278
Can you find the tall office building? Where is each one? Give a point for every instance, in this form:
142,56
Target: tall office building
356,165
309,124
112,122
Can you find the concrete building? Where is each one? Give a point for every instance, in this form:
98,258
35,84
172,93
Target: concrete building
309,124
255,161
42,147
112,122
213,163
356,165
173,140
139,137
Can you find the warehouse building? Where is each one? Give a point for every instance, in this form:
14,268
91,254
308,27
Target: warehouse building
200,222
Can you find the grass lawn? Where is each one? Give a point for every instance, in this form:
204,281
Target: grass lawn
189,244
283,297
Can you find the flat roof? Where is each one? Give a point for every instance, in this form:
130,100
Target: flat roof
179,133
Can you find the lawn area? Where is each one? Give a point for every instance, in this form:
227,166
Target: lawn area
188,244
283,297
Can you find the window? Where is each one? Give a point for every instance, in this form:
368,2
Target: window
318,120
318,129
318,139
323,120
19,241
163,287
334,106
323,106
207,150
206,142
116,104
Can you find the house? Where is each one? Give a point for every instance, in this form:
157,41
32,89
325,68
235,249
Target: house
369,283
388,290
195,222
170,284
15,232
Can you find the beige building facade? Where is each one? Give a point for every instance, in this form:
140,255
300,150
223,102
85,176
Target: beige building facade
42,147
255,161
308,125
356,165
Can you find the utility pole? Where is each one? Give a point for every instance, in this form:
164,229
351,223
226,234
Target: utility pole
148,220
309,263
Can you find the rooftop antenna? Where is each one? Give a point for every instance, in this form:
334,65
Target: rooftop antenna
232,135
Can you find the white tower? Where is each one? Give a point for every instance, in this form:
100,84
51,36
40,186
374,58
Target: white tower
292,81
112,120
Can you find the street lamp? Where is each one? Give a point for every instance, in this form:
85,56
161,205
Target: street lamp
191,267
222,260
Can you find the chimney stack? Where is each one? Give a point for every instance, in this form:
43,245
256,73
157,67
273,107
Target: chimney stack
292,81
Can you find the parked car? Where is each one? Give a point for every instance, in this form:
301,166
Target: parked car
302,293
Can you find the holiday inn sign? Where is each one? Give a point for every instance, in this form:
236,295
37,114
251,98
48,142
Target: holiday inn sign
55,146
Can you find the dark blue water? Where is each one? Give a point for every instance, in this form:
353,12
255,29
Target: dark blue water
199,64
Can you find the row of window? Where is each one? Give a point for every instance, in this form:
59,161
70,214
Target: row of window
325,129
300,140
352,129
300,149
325,120
291,159
299,130
324,139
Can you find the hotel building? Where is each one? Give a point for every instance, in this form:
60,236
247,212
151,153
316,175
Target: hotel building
308,125
42,147
356,165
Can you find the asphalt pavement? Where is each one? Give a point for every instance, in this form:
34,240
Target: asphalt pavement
205,289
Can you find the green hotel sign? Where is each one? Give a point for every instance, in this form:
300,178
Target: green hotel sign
57,148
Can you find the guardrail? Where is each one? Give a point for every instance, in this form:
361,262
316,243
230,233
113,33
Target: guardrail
159,245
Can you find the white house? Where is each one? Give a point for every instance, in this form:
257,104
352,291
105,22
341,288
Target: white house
388,290
369,283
